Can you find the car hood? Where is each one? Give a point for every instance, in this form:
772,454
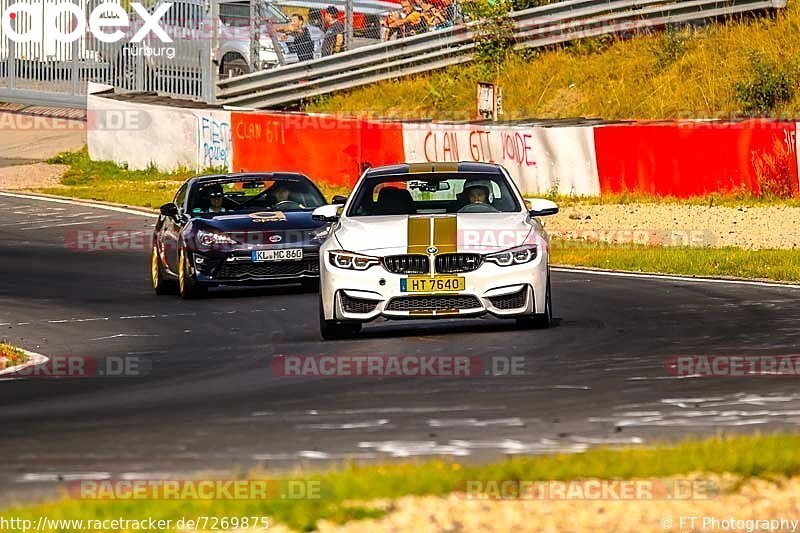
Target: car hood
270,229
261,221
403,234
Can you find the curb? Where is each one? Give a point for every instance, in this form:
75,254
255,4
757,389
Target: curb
35,110
34,359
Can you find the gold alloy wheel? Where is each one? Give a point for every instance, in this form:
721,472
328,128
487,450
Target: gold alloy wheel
154,267
182,272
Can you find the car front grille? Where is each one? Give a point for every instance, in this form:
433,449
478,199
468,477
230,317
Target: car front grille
357,305
510,301
433,303
455,263
249,269
407,264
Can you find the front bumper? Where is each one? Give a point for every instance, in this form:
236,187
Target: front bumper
504,292
237,268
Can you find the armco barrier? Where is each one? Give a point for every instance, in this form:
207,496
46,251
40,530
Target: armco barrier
666,158
695,158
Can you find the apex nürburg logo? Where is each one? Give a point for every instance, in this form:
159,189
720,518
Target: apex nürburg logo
44,23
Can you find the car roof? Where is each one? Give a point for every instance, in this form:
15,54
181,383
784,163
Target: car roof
428,168
251,175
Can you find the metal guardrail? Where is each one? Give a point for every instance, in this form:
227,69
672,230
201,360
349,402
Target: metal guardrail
534,28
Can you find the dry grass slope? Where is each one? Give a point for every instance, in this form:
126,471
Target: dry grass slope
666,76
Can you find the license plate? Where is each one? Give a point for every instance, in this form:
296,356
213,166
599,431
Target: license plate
289,254
434,284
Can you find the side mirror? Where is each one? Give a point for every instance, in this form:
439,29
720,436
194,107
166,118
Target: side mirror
327,213
339,199
539,207
169,210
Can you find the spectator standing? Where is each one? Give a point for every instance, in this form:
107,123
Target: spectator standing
316,29
333,43
408,22
449,9
432,15
301,44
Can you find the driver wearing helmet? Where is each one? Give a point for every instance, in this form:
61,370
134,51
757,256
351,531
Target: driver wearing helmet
216,197
477,194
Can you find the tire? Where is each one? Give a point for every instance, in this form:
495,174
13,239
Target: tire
336,329
161,285
233,67
540,320
188,288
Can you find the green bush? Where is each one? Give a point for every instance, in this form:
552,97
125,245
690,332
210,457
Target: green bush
670,47
527,4
768,85
494,31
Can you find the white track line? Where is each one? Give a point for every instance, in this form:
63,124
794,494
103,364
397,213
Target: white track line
82,204
58,225
668,277
595,272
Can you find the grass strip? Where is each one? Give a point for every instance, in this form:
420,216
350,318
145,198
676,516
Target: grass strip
108,182
775,265
11,356
767,456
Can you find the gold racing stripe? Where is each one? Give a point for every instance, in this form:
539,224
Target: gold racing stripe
445,167
445,234
418,168
441,232
419,235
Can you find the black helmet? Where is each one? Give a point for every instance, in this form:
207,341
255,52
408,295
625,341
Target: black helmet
214,191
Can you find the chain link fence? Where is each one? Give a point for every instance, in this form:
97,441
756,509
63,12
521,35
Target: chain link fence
211,40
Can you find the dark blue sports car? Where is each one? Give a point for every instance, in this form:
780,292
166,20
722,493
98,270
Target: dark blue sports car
238,229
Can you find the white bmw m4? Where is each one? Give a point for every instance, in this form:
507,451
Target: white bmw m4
434,240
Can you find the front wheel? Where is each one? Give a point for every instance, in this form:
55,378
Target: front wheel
160,284
234,67
188,288
336,329
540,320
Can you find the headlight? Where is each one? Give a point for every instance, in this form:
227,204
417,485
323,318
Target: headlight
352,261
513,256
211,238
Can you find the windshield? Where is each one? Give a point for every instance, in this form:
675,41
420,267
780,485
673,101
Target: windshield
411,194
247,195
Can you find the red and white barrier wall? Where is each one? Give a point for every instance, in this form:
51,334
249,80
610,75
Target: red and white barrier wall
695,158
664,158
540,160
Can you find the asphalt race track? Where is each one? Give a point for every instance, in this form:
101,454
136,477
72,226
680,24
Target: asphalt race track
210,401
